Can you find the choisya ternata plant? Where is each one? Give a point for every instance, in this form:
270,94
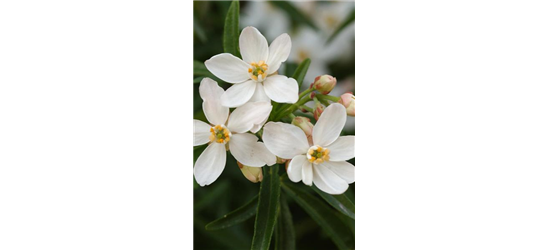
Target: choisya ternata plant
276,138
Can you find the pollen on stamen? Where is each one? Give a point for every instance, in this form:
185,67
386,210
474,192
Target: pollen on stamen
317,154
220,134
258,71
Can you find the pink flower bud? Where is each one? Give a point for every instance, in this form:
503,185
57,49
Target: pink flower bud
318,110
324,84
304,124
253,174
348,100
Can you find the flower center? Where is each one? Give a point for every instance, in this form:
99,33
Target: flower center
220,134
318,154
258,71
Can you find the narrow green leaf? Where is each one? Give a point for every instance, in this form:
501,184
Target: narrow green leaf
340,202
199,31
197,80
199,69
326,217
229,238
239,215
289,67
230,32
295,14
267,208
301,71
285,233
216,190
348,20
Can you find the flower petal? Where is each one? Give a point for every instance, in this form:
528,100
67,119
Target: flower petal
281,88
228,68
246,116
278,52
284,140
211,93
210,164
343,169
295,167
260,95
328,181
244,149
201,132
257,127
307,173
238,94
253,45
266,155
343,148
329,125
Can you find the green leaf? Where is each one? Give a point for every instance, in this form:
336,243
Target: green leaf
326,217
199,69
197,80
199,31
295,14
267,208
230,32
285,233
289,67
216,190
350,19
301,71
239,215
340,202
229,238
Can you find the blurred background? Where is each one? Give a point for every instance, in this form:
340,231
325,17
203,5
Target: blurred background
311,26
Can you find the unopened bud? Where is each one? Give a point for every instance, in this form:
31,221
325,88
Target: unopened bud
304,124
324,84
253,174
318,110
348,100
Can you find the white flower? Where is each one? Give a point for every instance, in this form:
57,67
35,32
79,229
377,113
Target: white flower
323,162
261,15
308,43
232,131
255,77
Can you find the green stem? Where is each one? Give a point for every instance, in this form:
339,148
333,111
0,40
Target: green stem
307,91
328,97
292,108
292,116
306,108
316,101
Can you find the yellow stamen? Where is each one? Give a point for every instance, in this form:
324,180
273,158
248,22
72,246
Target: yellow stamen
258,71
317,154
220,134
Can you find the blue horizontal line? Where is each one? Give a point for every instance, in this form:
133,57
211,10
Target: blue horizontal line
364,162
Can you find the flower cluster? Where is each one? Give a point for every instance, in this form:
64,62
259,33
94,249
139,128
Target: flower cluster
314,153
